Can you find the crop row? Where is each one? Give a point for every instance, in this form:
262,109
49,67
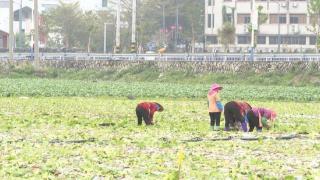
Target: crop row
52,88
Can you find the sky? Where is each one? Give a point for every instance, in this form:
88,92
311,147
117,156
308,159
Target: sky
85,4
89,4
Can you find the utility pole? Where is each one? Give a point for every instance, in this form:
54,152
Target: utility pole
254,26
11,35
164,33
177,25
278,27
36,32
20,26
105,39
117,48
134,18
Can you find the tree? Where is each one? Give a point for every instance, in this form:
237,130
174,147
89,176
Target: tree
227,35
262,18
314,11
90,26
150,20
226,17
66,21
192,13
98,37
68,25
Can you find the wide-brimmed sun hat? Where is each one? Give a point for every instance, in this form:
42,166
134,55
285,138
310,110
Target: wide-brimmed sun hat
215,87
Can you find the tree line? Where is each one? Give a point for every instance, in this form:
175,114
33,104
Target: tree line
67,26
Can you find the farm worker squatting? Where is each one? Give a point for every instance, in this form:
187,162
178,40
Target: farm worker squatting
235,112
258,117
215,106
146,110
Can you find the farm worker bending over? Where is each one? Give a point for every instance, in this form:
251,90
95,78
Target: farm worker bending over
215,106
235,112
146,111
259,117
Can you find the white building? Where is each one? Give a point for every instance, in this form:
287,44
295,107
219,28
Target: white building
287,18
27,8
26,16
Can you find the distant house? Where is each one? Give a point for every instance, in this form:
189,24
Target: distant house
27,16
26,19
4,36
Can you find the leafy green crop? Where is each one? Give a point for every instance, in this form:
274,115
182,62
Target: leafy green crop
52,88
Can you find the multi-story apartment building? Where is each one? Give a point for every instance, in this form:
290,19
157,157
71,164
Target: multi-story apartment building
288,21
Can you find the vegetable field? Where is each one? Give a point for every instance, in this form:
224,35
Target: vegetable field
61,129
50,87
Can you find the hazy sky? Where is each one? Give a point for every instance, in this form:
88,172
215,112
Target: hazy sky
89,4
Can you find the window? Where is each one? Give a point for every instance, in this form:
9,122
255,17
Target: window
273,39
243,18
294,20
302,40
298,18
261,40
283,19
246,20
288,40
312,40
293,40
212,20
1,42
244,39
105,3
275,18
229,17
211,2
212,40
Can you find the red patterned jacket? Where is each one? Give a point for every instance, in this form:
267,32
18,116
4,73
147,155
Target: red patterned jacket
149,107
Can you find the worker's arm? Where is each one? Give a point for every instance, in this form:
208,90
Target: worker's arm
260,121
152,110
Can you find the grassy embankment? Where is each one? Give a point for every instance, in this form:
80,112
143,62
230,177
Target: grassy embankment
293,78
